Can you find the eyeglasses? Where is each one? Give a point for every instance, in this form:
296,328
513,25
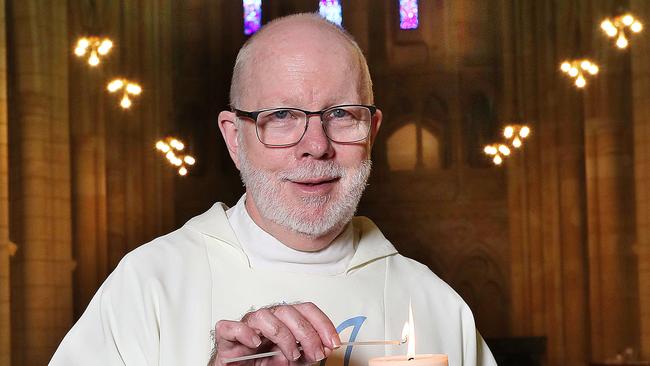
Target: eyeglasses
278,127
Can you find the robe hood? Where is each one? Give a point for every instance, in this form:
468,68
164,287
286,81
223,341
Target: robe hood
372,244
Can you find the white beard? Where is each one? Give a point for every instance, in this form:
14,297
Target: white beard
336,211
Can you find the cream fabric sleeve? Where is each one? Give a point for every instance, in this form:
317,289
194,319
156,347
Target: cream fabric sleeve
119,327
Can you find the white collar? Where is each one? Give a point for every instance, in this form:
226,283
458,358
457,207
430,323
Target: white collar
214,225
266,252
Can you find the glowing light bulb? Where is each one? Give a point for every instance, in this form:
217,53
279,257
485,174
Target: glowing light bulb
105,47
581,82
612,32
621,42
508,132
115,85
490,150
628,20
125,102
516,142
573,72
585,64
179,146
83,42
593,69
497,160
177,162
606,24
160,145
565,66
93,60
134,89
170,155
524,132
182,171
189,160
636,27
503,149
79,51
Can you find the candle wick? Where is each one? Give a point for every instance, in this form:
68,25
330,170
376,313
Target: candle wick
411,358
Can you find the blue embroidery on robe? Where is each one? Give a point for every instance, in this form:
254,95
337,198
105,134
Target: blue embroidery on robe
356,323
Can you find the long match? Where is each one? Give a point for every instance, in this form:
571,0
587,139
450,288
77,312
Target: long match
277,353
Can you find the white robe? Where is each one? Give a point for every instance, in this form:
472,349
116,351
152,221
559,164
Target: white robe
160,304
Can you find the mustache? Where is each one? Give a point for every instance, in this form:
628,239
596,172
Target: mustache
313,170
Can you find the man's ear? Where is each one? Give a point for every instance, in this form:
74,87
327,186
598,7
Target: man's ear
374,127
228,127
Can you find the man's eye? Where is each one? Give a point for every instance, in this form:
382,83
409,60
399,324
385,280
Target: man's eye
282,114
339,113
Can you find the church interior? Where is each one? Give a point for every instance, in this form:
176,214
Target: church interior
483,103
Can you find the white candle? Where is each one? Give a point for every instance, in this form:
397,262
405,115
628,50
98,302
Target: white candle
410,359
418,360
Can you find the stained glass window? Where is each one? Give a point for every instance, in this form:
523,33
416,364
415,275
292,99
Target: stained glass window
408,14
331,10
252,16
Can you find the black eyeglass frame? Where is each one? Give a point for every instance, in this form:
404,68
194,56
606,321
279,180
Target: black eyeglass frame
254,114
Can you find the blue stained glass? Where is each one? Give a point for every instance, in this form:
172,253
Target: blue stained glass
331,10
408,14
252,16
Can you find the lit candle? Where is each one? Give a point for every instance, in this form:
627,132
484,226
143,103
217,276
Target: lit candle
410,359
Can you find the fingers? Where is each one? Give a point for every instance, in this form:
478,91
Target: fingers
321,323
303,331
228,332
281,327
287,325
275,330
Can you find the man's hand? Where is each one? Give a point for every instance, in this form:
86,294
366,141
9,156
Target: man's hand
279,327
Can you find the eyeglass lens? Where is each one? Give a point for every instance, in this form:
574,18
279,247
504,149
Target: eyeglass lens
286,126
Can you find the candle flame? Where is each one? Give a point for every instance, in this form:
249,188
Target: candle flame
410,353
405,333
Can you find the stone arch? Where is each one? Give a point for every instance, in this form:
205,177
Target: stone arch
480,281
417,138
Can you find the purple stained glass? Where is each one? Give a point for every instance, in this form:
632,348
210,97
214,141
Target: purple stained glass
331,10
252,16
408,14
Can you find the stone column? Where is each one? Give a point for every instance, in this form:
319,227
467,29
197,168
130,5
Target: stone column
6,247
122,188
640,53
610,209
40,178
546,180
87,89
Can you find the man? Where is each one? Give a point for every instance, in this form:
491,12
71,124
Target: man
289,257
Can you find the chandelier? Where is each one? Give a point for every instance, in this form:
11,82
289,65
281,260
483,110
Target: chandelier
618,26
173,149
514,136
578,69
94,47
128,88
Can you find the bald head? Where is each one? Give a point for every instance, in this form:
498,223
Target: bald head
309,32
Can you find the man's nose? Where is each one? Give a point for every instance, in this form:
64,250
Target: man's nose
315,142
